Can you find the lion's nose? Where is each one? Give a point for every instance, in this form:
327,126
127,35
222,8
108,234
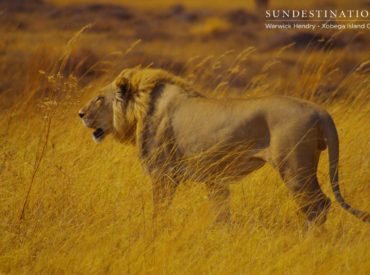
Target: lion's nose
81,114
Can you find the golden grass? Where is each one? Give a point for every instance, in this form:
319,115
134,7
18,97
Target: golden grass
89,208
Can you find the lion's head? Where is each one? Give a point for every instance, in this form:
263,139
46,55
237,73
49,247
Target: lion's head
98,112
120,108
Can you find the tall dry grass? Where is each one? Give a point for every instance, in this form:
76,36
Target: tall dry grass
70,206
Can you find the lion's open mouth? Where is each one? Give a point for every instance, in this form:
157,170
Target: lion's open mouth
98,135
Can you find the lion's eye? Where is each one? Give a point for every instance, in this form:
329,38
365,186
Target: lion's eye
99,98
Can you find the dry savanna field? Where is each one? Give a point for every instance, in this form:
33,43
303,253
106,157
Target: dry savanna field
70,206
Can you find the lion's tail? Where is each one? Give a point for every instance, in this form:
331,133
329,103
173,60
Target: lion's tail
331,136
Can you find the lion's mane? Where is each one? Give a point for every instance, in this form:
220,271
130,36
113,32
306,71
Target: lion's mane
130,111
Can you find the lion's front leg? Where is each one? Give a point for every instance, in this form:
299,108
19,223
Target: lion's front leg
163,193
219,196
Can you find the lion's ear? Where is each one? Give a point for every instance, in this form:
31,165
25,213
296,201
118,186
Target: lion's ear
123,88
124,85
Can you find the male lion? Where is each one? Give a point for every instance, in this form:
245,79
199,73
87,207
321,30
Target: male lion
182,134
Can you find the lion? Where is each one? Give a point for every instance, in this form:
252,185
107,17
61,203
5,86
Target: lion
182,135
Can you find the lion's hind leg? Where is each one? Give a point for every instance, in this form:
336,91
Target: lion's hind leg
299,175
